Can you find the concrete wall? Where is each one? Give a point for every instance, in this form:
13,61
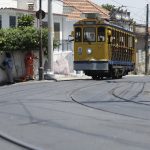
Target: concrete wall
63,64
140,61
18,61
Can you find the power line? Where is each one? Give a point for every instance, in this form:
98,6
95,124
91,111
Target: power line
130,8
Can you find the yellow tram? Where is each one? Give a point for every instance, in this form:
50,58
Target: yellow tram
103,49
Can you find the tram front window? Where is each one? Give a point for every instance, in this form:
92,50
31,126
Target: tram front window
78,37
89,35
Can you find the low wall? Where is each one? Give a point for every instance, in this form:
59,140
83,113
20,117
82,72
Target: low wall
63,63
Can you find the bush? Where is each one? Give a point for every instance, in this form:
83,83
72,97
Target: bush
24,39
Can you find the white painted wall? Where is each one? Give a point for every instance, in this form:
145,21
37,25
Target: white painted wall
5,13
57,6
68,28
5,20
56,19
8,3
23,4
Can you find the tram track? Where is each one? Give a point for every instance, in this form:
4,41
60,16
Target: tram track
133,97
112,92
17,143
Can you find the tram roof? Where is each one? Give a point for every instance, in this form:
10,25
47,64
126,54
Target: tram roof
107,25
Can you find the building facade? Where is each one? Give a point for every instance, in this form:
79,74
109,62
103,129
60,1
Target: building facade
140,32
32,5
12,9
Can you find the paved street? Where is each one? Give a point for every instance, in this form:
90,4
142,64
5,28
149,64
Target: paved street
76,114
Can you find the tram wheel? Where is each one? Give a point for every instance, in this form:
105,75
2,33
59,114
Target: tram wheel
115,74
95,77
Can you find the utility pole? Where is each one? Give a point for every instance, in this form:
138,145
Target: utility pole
50,71
41,69
146,41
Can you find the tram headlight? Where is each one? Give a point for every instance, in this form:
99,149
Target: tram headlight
89,51
79,50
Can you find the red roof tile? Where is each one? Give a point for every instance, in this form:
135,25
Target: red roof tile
83,6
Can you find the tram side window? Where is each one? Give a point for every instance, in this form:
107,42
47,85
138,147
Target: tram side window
130,43
122,39
133,42
113,37
78,37
101,34
117,38
126,40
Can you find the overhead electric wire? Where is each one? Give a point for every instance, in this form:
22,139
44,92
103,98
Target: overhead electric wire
147,1
136,17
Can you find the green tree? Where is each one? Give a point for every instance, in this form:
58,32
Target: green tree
109,7
2,38
25,21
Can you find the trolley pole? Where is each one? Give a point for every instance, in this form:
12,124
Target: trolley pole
146,42
50,71
41,69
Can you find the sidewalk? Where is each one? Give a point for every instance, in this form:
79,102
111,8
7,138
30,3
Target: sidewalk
59,77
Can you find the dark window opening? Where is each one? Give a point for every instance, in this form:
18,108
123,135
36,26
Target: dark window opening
44,24
57,31
12,21
0,21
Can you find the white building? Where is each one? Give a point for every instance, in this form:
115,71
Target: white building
8,3
32,5
10,10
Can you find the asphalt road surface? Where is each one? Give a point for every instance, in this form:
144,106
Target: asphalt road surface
76,115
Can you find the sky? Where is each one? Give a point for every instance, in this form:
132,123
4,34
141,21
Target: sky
137,8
